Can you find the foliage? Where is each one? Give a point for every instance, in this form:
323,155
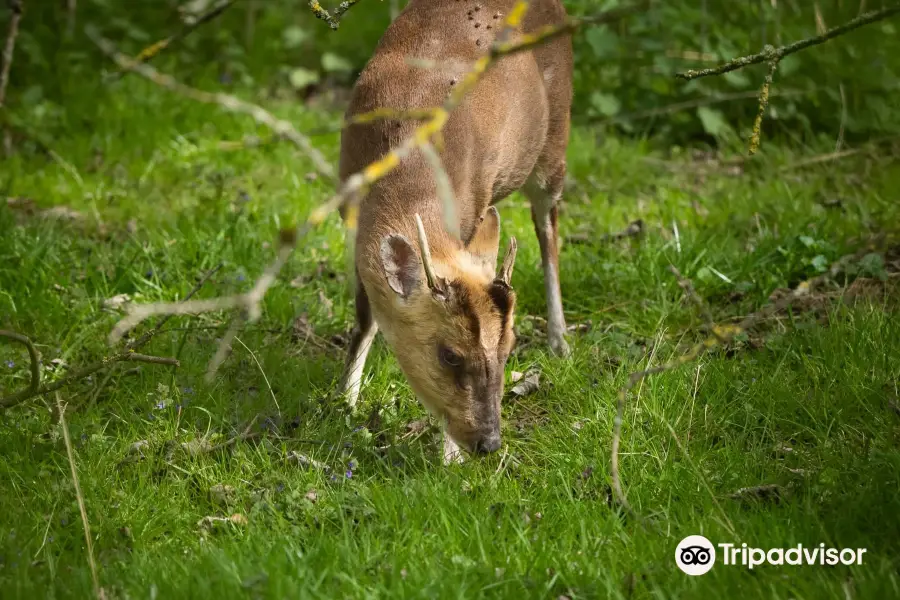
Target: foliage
807,407
624,74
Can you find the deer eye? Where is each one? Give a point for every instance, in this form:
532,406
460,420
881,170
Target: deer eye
449,358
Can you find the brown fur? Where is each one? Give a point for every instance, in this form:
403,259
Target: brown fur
512,128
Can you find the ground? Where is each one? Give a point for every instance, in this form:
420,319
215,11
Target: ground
331,504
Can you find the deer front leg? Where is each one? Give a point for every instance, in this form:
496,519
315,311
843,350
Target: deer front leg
544,196
360,344
451,452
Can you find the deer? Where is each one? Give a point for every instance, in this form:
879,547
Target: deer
443,307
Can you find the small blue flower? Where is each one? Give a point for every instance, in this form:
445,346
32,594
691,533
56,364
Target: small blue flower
358,428
349,474
187,390
279,487
64,521
352,464
161,405
10,364
241,277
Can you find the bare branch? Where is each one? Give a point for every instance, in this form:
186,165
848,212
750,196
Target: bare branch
769,53
153,50
228,102
773,56
16,7
334,17
35,361
763,105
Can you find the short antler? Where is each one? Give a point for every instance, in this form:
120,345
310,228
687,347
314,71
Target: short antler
426,255
509,261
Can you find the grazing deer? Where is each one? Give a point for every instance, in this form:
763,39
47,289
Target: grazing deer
444,310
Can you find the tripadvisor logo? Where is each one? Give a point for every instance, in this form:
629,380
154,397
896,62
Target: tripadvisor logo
696,555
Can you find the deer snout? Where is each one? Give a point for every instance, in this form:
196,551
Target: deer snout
488,443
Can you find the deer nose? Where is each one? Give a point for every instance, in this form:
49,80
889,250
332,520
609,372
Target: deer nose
489,443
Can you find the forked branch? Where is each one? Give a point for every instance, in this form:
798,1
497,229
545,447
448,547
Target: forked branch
773,56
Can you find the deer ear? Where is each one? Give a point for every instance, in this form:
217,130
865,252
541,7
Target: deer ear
485,242
401,264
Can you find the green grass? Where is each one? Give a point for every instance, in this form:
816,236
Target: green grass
807,407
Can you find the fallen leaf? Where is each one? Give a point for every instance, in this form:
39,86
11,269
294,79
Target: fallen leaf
117,302
221,494
238,519
197,446
515,376
63,213
312,496
529,384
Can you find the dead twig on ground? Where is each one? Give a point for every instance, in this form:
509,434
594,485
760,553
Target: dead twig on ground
128,355
280,127
153,50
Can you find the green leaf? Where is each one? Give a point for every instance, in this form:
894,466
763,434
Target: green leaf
602,41
607,104
333,63
301,78
820,263
713,121
294,36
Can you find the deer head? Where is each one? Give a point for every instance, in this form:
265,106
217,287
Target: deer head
450,327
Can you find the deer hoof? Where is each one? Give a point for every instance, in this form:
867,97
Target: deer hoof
560,348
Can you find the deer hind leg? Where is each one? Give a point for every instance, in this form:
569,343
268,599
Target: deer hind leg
544,194
360,344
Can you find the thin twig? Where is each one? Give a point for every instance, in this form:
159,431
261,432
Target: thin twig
7,58
261,370
141,341
153,50
334,17
127,356
779,53
763,105
228,102
35,362
16,7
98,592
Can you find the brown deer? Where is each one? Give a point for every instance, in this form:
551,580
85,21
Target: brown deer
444,310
